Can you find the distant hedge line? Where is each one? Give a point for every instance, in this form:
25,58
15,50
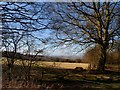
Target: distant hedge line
37,58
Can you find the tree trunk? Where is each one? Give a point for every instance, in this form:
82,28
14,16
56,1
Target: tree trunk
102,59
10,68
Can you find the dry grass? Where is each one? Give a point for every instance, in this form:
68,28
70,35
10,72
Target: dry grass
72,81
62,65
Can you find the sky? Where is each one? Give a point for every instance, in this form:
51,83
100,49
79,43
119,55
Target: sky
65,51
60,0
60,51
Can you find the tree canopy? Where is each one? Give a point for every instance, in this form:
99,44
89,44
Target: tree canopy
78,23
87,23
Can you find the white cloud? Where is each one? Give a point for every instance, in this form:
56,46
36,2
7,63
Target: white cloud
64,51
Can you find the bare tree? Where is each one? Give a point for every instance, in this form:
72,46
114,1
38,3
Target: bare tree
114,55
12,45
92,56
31,53
19,19
87,24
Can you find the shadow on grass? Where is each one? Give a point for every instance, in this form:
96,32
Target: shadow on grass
61,81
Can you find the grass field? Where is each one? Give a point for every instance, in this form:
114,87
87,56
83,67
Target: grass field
62,65
63,78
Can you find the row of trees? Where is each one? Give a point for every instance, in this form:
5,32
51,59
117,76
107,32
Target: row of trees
113,56
77,23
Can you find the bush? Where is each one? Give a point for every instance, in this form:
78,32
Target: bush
79,68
